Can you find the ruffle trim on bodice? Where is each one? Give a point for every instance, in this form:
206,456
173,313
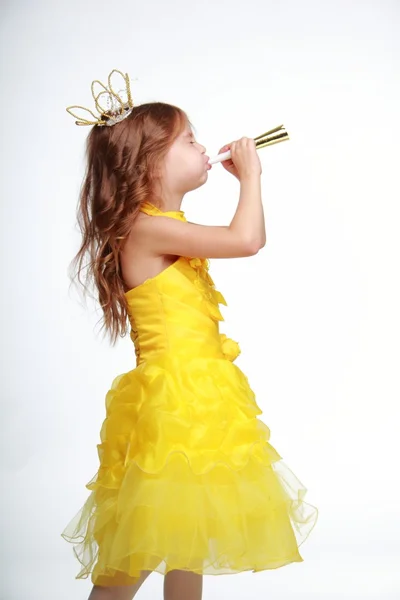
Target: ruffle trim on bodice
212,298
203,282
230,348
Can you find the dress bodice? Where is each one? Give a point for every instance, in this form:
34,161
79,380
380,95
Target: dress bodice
177,311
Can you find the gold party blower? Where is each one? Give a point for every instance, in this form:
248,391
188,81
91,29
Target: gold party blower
263,140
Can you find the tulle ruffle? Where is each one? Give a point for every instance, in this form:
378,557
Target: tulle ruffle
187,479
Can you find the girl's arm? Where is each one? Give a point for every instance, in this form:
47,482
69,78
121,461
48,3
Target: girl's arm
244,236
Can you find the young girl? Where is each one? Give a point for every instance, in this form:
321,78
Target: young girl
188,483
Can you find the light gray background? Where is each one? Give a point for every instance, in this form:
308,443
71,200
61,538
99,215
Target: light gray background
316,312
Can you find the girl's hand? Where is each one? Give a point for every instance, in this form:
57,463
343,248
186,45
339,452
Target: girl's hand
244,161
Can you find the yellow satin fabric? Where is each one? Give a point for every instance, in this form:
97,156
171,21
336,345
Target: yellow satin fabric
187,476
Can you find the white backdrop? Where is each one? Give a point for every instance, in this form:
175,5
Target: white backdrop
316,312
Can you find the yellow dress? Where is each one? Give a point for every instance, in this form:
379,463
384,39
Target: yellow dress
187,477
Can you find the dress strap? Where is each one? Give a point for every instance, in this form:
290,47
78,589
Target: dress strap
151,209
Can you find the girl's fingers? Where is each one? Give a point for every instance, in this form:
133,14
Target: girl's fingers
225,148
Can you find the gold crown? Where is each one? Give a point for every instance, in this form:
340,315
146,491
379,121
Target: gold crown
118,108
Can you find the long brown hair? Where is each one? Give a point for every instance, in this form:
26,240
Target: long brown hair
121,165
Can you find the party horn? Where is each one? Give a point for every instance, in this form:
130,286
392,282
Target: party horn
265,139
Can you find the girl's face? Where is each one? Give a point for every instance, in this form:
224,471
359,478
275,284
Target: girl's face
185,165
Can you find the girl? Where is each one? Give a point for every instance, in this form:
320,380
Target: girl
188,483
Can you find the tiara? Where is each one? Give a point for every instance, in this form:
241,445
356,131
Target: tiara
119,104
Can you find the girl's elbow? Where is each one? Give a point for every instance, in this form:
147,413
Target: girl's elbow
254,246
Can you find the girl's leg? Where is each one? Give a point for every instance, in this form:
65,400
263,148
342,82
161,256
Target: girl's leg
118,592
183,585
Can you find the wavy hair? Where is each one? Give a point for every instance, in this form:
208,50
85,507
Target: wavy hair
121,166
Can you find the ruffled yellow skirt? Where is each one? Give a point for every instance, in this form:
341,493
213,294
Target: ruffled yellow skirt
187,480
